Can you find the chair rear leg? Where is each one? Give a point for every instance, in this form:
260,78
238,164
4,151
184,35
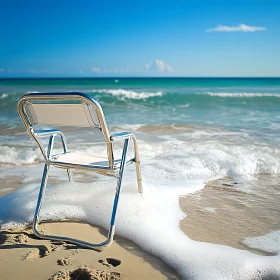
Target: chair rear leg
139,177
137,166
64,145
70,176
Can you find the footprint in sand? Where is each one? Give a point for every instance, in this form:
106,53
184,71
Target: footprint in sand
85,273
63,262
21,238
110,262
36,253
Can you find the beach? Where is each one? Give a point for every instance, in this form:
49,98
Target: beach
209,153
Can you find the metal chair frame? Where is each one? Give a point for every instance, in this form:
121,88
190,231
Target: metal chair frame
114,168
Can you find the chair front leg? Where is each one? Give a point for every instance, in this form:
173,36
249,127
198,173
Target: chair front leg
39,201
42,188
117,194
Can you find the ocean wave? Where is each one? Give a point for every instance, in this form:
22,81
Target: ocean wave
206,155
19,155
7,95
4,95
128,93
243,94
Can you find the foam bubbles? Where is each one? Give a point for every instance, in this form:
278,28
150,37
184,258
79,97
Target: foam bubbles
269,242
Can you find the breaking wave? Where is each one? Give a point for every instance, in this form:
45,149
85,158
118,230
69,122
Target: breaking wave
243,94
128,93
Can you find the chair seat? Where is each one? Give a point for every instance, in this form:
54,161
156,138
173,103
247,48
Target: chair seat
83,159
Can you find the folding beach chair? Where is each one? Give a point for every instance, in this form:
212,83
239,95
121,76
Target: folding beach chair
74,109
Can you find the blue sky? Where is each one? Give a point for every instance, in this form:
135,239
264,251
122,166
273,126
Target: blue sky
89,38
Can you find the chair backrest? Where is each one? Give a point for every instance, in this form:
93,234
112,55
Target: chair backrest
81,115
62,109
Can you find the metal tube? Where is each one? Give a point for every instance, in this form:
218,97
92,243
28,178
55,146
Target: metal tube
43,187
64,144
39,201
118,189
137,165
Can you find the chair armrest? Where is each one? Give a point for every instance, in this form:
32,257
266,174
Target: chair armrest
121,136
47,132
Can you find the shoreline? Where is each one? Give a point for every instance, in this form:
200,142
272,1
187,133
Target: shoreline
222,214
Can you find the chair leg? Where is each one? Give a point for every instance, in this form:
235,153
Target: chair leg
117,194
139,177
39,201
137,166
64,145
70,176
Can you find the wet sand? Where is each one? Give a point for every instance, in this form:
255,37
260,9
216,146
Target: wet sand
223,214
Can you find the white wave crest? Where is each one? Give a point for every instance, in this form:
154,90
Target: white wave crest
243,94
5,95
129,93
19,156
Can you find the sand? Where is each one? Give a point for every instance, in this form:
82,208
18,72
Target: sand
23,256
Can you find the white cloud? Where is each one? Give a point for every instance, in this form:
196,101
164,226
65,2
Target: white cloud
238,28
160,66
95,69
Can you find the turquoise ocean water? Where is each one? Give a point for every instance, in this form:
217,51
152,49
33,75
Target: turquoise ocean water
191,131
234,103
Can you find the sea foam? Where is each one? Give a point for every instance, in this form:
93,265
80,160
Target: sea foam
269,242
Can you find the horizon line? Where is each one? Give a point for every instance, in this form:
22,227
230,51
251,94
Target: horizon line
136,77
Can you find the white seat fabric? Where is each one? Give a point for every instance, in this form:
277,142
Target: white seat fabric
81,158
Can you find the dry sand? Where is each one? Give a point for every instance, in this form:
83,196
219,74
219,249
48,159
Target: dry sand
23,256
